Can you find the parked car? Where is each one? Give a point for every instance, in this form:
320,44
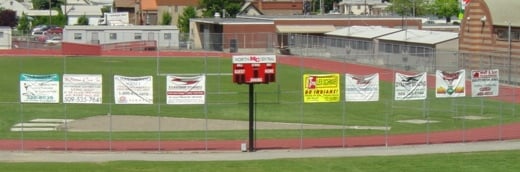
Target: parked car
55,30
40,28
53,40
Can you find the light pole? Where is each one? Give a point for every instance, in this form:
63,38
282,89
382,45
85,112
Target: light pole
509,53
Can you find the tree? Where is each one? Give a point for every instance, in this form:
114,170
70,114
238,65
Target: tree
446,9
183,23
166,18
327,5
105,9
409,7
44,4
210,7
8,18
23,24
82,20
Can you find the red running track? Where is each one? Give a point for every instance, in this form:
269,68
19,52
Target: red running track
502,132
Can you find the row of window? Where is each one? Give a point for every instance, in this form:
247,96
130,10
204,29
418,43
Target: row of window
412,50
502,34
113,36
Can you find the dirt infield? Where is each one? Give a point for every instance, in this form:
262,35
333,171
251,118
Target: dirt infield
150,123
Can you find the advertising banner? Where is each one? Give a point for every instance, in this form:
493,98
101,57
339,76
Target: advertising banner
185,90
133,90
361,88
410,87
450,84
484,83
82,88
321,88
39,88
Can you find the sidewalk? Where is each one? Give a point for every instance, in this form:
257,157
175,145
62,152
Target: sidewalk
82,156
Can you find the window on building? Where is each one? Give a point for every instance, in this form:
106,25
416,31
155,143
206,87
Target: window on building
1,34
138,36
77,36
503,35
113,36
167,36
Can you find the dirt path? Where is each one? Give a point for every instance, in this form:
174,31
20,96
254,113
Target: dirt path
150,123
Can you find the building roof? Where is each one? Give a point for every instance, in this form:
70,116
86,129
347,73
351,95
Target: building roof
87,10
304,28
420,36
177,2
76,2
504,11
149,5
124,3
133,27
231,21
367,32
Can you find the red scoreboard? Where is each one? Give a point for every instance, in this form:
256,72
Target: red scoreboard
250,69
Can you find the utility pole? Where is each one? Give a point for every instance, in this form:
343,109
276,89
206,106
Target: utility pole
509,53
50,13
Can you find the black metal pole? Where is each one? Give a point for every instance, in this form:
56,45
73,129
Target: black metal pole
251,117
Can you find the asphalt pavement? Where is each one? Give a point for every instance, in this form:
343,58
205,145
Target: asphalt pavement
106,156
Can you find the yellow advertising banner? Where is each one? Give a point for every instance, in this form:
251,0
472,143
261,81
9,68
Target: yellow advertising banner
321,88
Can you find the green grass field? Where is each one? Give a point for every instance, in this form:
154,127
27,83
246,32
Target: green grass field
278,102
475,162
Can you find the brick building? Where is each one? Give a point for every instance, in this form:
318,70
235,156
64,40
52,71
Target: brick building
484,36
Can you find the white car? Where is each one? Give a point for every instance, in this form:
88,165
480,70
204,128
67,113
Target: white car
53,40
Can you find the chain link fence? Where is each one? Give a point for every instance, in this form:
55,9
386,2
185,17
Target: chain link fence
282,119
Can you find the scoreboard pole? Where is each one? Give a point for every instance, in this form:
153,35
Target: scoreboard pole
251,117
251,70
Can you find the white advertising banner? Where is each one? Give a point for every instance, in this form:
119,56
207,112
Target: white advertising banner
39,88
82,88
450,84
361,88
185,90
133,90
410,87
484,83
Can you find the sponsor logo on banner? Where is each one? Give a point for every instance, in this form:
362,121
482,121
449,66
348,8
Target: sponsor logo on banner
82,88
360,88
133,90
484,83
410,87
237,59
185,90
39,88
450,84
321,88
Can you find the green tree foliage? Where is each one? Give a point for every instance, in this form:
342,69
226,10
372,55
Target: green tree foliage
166,18
327,5
105,9
8,18
183,23
410,7
445,9
44,4
23,24
210,7
82,20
